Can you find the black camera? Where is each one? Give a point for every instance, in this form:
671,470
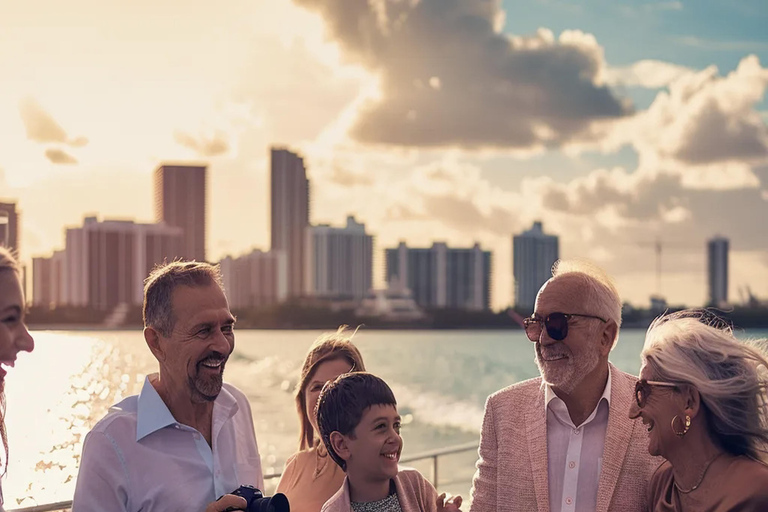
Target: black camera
258,503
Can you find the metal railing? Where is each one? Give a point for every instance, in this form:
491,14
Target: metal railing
432,454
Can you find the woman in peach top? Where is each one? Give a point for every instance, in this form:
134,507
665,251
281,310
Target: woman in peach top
310,477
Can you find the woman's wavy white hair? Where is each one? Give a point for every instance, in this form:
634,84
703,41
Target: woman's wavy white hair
696,347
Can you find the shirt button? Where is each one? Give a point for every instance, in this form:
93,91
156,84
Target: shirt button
572,464
197,437
568,501
577,431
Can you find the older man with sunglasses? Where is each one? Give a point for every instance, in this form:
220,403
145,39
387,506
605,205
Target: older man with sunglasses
563,442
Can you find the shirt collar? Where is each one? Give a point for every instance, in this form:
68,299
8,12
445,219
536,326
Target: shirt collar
153,415
550,395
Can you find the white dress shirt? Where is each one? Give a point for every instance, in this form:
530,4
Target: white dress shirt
575,453
139,458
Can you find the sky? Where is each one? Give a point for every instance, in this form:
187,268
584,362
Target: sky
616,123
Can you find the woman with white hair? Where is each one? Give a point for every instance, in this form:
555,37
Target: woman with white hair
702,397
14,336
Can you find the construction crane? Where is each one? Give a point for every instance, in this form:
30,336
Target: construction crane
657,247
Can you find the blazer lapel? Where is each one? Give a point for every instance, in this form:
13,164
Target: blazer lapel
617,438
536,433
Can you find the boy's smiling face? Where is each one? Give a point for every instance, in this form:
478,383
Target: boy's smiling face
374,451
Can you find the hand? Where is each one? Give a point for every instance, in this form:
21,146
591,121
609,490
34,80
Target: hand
452,504
226,503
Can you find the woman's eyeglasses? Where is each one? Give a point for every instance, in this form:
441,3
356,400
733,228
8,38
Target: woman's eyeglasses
643,390
555,323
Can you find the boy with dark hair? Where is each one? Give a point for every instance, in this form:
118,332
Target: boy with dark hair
358,422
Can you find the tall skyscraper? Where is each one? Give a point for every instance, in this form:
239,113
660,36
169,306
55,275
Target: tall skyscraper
289,189
441,277
717,266
180,201
340,261
9,226
534,253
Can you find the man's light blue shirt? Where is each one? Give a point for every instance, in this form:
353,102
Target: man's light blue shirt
138,457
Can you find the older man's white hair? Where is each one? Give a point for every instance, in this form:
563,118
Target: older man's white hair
601,295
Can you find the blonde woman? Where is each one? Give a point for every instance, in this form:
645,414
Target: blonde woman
311,477
14,336
702,397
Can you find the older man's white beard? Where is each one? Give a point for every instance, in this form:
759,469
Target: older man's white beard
568,378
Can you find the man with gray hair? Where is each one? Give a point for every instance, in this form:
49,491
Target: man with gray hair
187,438
563,442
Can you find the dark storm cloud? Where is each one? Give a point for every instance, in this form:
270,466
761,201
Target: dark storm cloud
449,77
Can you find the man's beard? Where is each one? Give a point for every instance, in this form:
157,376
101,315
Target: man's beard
568,376
207,387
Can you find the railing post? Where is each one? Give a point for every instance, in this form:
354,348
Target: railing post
434,471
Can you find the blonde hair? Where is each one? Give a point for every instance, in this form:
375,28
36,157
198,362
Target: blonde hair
7,262
600,291
327,347
697,348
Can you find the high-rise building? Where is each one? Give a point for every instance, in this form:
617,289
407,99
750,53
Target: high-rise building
717,266
255,280
441,277
9,227
339,261
180,201
48,280
534,254
106,262
289,192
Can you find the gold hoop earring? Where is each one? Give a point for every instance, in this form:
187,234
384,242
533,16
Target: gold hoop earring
686,426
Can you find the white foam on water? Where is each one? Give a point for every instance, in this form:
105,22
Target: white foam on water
436,409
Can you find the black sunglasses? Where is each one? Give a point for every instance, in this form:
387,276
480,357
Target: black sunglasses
643,390
555,323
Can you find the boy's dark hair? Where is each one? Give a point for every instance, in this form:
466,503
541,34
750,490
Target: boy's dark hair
343,402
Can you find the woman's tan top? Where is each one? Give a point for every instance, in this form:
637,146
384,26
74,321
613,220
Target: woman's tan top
731,484
310,478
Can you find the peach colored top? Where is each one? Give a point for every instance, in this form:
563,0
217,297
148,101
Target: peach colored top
310,478
738,484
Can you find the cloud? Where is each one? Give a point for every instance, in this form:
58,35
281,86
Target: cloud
703,119
345,177
651,74
643,204
58,156
448,76
42,127
211,145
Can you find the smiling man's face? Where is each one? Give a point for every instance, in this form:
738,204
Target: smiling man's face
201,341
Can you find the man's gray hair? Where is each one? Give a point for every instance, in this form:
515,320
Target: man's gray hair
601,293
163,280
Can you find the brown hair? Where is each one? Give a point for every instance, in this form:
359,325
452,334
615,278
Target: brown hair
343,402
327,347
163,280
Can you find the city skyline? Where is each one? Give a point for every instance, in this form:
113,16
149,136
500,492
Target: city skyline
644,121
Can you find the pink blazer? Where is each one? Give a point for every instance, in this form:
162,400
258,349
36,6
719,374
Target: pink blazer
512,472
414,492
